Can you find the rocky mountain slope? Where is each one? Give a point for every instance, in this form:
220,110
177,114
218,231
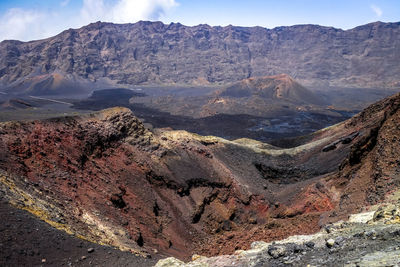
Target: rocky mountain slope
104,177
155,53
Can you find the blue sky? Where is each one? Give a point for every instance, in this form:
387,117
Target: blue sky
34,19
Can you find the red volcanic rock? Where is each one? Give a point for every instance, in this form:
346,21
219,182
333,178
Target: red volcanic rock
108,170
370,171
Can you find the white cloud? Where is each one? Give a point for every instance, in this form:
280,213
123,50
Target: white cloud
132,10
124,11
377,10
18,23
92,11
25,24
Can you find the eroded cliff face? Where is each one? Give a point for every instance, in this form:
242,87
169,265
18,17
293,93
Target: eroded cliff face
106,178
371,170
155,53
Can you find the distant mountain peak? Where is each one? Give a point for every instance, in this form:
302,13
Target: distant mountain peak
281,86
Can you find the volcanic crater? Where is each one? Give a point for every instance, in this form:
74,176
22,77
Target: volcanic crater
106,178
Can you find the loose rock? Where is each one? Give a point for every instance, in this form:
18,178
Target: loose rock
276,251
330,242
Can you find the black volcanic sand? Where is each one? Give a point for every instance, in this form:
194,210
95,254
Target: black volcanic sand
223,125
27,241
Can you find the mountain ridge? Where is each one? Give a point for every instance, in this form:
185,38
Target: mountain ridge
155,53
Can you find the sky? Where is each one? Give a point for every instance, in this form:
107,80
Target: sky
37,19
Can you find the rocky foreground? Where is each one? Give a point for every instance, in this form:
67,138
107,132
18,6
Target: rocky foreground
366,239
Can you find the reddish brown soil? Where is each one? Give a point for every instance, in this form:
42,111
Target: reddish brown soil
276,229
